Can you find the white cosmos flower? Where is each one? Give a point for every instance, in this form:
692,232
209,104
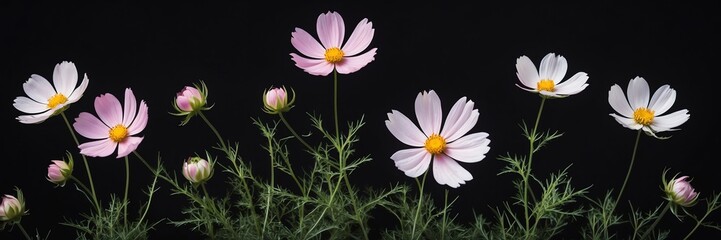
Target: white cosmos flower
443,146
639,113
547,81
46,100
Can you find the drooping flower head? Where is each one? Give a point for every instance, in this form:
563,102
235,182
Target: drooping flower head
275,100
12,208
548,79
442,146
321,58
60,171
679,192
197,170
190,101
637,112
46,100
116,126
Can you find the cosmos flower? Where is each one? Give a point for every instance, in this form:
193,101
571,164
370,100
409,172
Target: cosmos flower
116,127
442,146
330,53
197,170
12,208
276,100
680,192
547,81
60,171
46,100
639,113
189,101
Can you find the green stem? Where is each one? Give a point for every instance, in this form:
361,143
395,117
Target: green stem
527,173
287,125
85,188
272,185
211,231
217,134
85,162
630,166
127,184
25,233
658,219
445,211
418,207
335,103
698,223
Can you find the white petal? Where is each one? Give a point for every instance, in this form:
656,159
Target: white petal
37,118
28,105
78,92
662,100
573,85
526,72
38,88
428,112
553,68
670,121
638,93
448,171
618,101
65,77
469,149
413,162
626,122
404,130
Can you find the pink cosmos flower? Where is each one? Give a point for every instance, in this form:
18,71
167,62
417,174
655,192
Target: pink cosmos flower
189,99
444,146
59,172
681,192
330,53
116,126
197,170
276,100
46,100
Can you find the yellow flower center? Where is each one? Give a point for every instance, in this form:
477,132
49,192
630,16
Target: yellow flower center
56,100
334,55
118,133
545,85
643,116
435,144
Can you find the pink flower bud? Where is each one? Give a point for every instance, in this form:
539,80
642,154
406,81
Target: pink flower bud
59,172
276,101
12,208
680,192
189,99
197,170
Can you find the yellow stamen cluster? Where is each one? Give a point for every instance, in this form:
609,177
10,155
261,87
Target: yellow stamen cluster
643,116
545,85
435,144
334,55
56,99
118,133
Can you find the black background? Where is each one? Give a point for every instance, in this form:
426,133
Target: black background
240,49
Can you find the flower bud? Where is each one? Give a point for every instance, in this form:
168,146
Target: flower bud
276,100
197,170
12,209
59,172
190,101
680,192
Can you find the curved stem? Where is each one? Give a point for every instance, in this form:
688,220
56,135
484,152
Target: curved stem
420,201
287,125
527,173
211,231
127,184
335,103
85,162
217,134
630,166
25,233
85,188
698,223
658,219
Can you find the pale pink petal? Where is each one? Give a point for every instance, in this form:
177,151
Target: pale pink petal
37,118
318,67
626,122
670,121
360,39
447,171
662,100
91,127
109,109
470,148
28,105
413,162
128,145
306,44
141,120
99,148
573,85
460,120
638,93
404,130
526,72
429,112
129,107
65,77
618,101
38,88
75,96
331,29
353,64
